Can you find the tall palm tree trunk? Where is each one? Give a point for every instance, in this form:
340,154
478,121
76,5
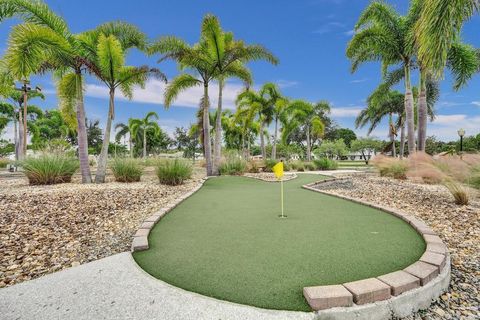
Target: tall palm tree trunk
206,130
130,145
392,136
218,129
102,159
21,132
274,147
309,152
409,111
262,140
402,140
145,142
422,111
82,133
15,136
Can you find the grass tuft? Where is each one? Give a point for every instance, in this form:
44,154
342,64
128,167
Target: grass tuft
233,166
325,164
126,170
173,172
49,169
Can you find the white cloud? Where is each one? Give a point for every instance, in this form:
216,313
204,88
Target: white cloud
476,103
449,104
154,89
449,119
349,33
286,83
359,80
342,112
329,27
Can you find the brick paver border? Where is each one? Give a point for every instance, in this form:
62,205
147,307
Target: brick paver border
431,265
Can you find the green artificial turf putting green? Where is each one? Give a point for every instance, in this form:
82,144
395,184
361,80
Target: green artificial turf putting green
226,241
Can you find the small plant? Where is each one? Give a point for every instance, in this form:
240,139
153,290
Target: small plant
309,166
286,166
391,167
325,164
252,167
173,172
4,162
233,166
475,177
126,170
49,169
298,166
269,163
458,192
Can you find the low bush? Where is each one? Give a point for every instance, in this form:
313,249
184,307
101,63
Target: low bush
49,169
298,166
325,164
4,162
233,166
286,166
309,166
253,167
269,163
126,170
391,167
173,171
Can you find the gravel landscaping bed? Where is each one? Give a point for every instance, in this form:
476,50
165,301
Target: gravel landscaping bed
458,226
269,176
48,228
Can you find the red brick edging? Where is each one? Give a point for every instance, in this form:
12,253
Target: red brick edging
430,265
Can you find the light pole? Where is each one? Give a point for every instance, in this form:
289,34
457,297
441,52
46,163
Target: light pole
461,133
25,88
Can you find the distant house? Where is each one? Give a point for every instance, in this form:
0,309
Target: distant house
257,157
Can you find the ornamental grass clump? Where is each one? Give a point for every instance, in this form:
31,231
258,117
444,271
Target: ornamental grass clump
126,170
49,169
173,172
4,162
298,166
269,163
233,165
391,167
458,192
325,164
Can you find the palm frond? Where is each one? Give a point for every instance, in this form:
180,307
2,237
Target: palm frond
177,85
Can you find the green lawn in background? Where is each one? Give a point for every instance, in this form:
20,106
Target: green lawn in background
227,242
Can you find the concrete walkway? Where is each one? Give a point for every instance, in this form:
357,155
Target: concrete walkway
116,288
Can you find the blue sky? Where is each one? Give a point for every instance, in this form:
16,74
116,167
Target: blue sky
309,37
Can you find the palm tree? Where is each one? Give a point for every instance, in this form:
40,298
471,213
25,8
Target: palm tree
143,126
122,131
262,107
438,28
301,113
277,105
383,35
109,44
45,43
229,56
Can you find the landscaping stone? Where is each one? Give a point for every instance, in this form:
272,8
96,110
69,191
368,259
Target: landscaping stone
147,225
400,281
437,248
422,270
368,290
434,258
44,229
139,243
142,233
458,226
324,297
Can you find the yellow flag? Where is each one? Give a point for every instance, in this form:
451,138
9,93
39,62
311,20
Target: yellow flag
278,170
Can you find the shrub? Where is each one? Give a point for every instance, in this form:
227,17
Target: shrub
173,172
458,192
286,166
310,166
325,164
269,163
233,166
391,167
49,169
252,167
126,170
298,165
4,162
